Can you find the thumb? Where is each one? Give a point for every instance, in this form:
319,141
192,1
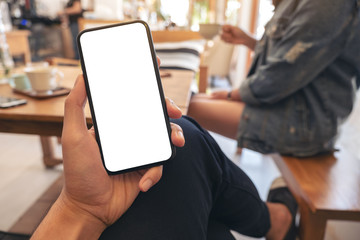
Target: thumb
74,117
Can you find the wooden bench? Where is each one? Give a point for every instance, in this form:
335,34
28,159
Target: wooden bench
325,187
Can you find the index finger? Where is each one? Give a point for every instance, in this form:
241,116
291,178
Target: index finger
150,178
226,28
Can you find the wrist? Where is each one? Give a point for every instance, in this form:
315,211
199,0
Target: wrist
251,42
66,220
87,222
234,95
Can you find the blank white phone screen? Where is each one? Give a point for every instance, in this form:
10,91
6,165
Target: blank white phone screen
125,96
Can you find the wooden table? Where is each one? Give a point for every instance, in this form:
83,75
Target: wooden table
44,117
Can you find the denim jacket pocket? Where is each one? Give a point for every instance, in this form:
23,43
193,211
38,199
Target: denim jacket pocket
300,125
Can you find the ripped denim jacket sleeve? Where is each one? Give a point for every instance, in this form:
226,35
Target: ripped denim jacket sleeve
299,45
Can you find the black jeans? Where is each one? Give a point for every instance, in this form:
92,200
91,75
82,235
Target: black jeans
201,195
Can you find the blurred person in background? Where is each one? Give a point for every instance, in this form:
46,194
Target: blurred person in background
70,15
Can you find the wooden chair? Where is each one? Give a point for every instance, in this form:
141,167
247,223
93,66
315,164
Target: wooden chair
85,23
62,61
184,35
160,36
19,44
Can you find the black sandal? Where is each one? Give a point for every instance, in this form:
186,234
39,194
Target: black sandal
280,193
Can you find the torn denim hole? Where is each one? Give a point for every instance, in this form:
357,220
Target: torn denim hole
275,28
298,49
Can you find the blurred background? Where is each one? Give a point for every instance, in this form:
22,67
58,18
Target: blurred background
50,33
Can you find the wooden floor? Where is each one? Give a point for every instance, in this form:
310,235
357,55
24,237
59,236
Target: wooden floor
23,178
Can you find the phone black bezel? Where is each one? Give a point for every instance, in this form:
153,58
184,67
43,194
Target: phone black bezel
160,88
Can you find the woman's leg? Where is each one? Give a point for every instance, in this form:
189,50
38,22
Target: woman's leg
220,116
199,184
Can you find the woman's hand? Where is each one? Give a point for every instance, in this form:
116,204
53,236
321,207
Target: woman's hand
235,35
232,95
220,94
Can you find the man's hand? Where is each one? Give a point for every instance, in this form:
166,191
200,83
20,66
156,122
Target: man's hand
87,183
90,197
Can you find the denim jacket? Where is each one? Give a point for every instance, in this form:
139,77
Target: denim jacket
303,79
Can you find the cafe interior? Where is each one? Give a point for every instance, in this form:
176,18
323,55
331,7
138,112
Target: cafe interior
194,59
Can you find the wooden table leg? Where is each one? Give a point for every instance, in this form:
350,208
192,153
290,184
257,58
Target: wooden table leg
49,158
203,78
312,225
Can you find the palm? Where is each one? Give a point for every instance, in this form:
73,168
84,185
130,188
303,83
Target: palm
91,186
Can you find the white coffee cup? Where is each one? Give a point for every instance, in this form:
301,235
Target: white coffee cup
43,78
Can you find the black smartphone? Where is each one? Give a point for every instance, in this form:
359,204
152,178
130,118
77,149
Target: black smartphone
125,96
7,102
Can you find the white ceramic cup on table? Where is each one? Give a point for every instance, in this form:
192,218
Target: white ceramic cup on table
43,78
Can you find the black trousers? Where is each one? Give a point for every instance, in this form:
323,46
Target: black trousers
201,195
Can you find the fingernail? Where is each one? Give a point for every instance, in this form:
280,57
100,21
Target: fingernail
147,184
174,104
76,80
178,108
180,134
